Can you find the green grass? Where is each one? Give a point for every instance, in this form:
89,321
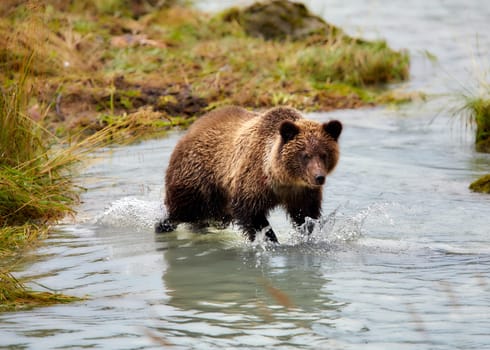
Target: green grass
34,181
36,187
478,110
352,63
16,238
19,139
473,105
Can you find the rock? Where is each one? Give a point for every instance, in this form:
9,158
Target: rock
280,20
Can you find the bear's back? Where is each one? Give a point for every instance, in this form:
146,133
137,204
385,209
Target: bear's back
205,151
223,120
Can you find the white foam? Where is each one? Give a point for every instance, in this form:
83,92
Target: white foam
132,212
333,228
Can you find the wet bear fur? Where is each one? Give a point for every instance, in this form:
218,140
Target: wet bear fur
235,166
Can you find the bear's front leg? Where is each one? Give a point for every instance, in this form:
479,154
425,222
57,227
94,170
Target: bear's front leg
249,212
309,205
255,223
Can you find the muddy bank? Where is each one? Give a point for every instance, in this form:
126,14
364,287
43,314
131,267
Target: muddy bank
79,108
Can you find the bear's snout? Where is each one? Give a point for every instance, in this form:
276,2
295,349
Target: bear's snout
320,179
315,172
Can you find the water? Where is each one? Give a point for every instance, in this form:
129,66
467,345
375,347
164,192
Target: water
400,260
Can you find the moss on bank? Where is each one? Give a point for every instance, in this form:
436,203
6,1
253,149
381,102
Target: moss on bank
481,185
479,108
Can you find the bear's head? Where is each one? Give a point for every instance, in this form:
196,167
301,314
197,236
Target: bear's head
307,152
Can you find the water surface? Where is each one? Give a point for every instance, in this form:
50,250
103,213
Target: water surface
400,260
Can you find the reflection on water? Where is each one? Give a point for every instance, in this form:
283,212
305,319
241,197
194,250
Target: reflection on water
401,258
239,293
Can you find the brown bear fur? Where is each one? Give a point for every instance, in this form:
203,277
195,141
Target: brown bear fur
235,166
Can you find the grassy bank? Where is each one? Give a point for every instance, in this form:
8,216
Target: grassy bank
35,189
99,65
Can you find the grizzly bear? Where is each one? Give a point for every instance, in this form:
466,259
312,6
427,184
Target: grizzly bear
234,166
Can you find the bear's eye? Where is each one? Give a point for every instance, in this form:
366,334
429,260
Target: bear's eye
323,157
305,156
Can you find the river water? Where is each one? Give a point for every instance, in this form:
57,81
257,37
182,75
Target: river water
400,260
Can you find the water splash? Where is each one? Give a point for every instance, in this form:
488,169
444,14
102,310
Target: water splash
338,227
131,212
341,229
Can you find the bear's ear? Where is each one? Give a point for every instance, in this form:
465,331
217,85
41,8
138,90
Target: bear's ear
288,130
333,128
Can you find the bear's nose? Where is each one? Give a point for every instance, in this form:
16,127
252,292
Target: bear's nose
320,179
